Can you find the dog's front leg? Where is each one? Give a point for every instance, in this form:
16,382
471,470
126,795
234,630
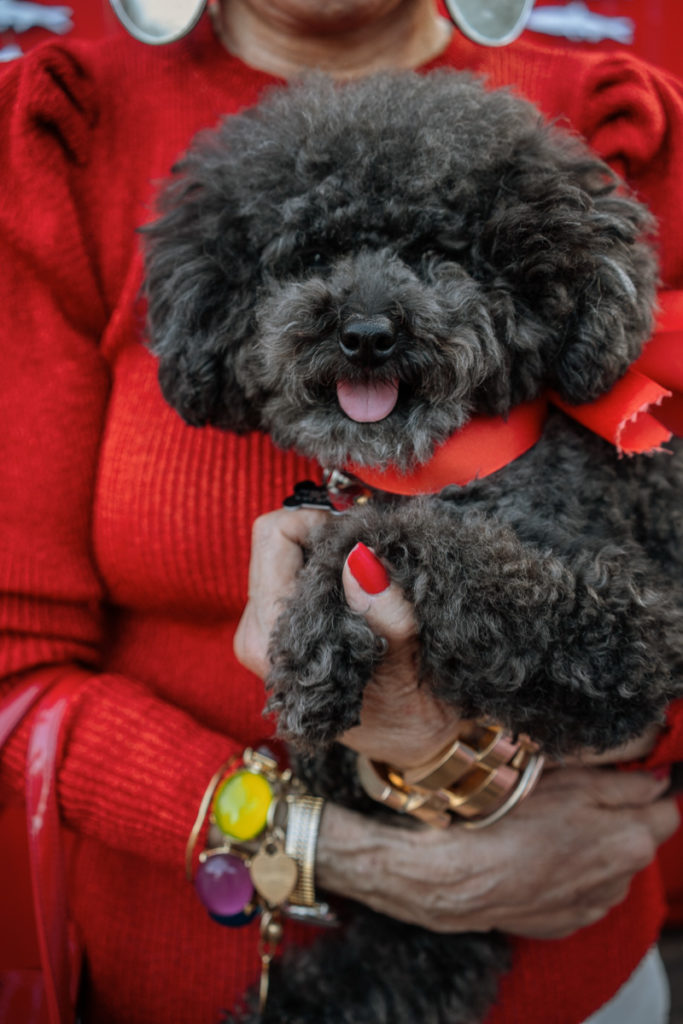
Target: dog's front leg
322,653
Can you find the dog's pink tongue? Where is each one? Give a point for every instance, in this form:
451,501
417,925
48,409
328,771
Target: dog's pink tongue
367,403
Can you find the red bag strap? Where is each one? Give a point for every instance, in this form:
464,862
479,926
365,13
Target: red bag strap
46,854
17,704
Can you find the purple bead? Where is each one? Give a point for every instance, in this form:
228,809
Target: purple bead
223,884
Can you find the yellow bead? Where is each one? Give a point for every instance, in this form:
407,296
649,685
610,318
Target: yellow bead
241,805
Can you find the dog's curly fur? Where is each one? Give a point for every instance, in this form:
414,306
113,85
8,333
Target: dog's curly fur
497,258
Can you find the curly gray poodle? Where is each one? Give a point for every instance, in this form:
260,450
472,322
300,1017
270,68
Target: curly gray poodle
358,270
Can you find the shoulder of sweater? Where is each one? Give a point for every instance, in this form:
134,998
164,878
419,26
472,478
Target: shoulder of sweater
557,77
70,92
58,92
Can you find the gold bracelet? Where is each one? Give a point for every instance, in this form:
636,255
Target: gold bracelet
481,776
256,861
301,837
202,812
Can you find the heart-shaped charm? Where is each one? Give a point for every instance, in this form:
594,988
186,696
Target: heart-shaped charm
273,874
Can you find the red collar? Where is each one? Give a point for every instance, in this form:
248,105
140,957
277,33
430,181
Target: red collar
638,415
482,446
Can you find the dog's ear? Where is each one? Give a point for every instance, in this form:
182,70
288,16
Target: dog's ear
572,276
200,283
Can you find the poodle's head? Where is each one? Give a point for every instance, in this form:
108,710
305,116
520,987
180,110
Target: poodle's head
358,268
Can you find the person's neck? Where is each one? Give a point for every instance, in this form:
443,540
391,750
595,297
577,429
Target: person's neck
409,35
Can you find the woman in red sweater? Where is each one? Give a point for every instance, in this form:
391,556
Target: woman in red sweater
125,535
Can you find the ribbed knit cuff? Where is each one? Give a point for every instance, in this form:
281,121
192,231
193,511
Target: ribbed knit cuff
134,770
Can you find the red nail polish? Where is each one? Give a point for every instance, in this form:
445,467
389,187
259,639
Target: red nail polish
367,570
664,772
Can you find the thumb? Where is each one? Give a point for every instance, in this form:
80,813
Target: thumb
369,590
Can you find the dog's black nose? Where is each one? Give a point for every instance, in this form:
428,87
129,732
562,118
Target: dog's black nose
368,341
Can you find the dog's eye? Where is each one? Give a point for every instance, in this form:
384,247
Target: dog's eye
452,244
415,254
315,259
310,260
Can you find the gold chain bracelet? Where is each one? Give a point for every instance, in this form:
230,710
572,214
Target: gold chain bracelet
480,777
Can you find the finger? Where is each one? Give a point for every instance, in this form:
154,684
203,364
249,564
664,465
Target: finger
588,907
278,541
632,750
607,895
607,787
663,818
369,590
277,546
631,845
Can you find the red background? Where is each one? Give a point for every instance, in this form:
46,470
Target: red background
658,28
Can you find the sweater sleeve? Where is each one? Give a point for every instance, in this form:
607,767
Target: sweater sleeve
632,115
134,767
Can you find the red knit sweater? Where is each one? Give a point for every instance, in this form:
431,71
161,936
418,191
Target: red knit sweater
124,534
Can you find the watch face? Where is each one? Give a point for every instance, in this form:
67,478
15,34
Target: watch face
490,22
158,21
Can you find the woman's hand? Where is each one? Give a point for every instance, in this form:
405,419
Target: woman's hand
400,722
557,863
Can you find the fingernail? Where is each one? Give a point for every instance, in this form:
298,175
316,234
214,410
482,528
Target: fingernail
367,570
661,773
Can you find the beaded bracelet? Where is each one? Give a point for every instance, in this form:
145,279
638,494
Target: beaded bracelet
260,853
